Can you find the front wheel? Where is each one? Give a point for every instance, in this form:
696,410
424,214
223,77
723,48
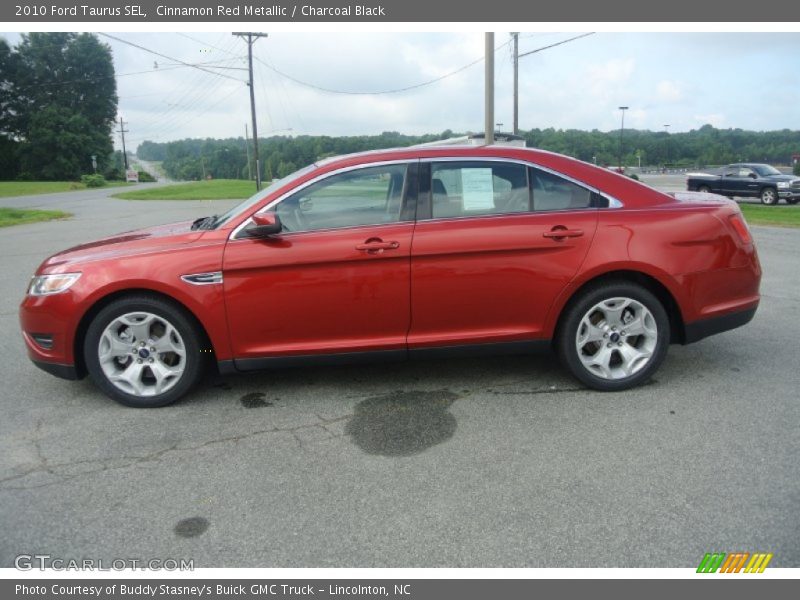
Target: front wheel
704,189
769,196
143,351
614,336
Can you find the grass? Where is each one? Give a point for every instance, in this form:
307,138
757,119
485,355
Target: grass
780,216
216,189
28,188
19,216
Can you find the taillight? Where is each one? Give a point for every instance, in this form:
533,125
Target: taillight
740,226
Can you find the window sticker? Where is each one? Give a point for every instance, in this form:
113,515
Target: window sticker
477,189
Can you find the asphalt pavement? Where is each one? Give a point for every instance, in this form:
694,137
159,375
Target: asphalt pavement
462,463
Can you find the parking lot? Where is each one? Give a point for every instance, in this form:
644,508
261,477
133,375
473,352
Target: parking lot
463,463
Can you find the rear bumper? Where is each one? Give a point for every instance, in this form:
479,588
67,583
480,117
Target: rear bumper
705,327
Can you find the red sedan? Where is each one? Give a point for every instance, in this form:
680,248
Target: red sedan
396,254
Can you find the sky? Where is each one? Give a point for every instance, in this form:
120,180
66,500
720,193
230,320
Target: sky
684,80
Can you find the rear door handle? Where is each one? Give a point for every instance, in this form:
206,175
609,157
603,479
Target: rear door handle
558,234
377,246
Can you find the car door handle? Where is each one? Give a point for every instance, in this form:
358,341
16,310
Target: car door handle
562,233
377,246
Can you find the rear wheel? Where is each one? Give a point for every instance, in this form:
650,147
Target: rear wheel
705,189
769,196
614,336
143,351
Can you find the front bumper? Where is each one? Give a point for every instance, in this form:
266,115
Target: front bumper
48,328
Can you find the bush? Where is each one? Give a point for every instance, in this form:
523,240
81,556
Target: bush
93,181
145,177
634,176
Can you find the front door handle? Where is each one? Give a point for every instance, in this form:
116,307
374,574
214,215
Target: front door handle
377,246
559,233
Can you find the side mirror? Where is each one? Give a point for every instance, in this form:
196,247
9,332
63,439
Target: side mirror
266,224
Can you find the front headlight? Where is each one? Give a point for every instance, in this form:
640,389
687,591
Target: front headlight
45,285
784,184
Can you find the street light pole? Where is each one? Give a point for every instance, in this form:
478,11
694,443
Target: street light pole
621,130
666,143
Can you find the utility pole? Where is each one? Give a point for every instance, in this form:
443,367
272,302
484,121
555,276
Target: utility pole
515,35
123,131
251,37
488,125
247,153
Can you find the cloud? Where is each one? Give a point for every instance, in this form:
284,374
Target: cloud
609,76
669,91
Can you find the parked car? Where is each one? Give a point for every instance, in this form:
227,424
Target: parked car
748,180
396,254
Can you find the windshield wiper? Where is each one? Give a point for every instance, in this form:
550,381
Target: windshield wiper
205,222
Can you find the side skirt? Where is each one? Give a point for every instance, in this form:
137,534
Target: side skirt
239,365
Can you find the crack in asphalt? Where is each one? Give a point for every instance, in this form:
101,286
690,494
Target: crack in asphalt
44,465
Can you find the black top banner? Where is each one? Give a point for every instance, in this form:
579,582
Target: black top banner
393,11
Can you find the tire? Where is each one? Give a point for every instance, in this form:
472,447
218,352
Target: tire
704,189
769,196
139,372
792,201
607,359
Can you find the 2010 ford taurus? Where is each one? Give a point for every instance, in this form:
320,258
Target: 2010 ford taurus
396,254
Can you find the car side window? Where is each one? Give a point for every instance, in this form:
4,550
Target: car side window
745,172
369,196
731,172
474,188
551,192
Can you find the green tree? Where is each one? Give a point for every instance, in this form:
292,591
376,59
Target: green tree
60,102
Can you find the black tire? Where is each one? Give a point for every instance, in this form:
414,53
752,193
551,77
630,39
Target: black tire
705,189
769,196
792,200
192,342
566,344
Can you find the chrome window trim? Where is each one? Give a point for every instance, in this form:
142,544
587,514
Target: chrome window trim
406,161
613,203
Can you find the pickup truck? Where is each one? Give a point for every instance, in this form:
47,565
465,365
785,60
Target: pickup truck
749,180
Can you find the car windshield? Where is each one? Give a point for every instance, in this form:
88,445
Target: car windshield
765,170
260,195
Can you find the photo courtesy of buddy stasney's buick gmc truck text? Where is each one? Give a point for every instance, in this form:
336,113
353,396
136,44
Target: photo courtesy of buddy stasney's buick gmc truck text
418,252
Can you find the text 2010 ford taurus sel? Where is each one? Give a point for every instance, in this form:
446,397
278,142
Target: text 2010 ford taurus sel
417,252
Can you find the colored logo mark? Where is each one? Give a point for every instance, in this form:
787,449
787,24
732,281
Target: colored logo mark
734,562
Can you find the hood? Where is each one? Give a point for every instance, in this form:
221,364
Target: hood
130,243
781,177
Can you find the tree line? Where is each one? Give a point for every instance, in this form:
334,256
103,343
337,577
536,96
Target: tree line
231,158
58,102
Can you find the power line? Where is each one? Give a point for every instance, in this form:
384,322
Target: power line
177,60
381,92
572,39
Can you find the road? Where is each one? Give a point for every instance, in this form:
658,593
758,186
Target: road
473,463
